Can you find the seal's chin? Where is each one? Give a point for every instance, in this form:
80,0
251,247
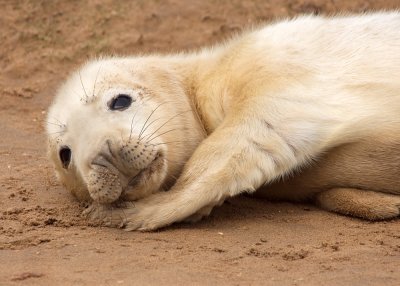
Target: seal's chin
147,181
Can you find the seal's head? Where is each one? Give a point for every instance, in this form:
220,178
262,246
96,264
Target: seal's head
120,129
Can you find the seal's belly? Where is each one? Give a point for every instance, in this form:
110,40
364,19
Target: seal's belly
371,164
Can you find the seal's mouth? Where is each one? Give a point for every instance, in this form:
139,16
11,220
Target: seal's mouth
149,171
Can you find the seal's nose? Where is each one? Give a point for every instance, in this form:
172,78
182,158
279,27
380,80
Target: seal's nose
106,157
125,158
104,180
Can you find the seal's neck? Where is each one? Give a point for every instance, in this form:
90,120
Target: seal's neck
204,85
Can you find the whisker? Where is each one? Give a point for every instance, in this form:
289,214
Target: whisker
95,81
144,125
150,124
55,118
130,134
78,94
173,161
132,124
164,133
176,115
84,90
170,142
132,121
59,125
56,132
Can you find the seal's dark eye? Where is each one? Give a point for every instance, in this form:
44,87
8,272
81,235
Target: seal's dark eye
65,156
121,102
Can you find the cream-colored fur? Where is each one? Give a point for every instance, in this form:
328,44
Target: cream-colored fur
301,109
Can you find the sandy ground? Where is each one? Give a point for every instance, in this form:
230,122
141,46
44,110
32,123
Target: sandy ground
43,238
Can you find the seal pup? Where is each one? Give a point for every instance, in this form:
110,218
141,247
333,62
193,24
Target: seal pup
300,109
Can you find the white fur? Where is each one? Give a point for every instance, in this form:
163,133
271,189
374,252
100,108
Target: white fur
270,101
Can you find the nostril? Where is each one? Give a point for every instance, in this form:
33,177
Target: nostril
106,157
108,143
65,156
